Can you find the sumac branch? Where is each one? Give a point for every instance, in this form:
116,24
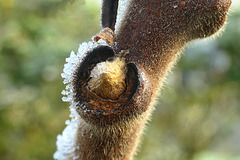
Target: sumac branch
113,87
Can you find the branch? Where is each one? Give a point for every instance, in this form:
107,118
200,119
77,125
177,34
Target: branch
113,87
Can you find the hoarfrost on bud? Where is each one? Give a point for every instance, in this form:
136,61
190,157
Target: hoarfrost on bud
70,67
66,141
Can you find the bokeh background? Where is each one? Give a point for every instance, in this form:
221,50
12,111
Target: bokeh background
198,115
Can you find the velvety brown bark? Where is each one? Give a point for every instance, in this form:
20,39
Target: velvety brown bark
114,142
153,33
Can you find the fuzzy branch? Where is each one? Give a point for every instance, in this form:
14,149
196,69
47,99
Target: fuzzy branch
112,87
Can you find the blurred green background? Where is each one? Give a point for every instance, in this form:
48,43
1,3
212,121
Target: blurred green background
197,117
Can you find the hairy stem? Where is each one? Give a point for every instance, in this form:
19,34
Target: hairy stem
114,93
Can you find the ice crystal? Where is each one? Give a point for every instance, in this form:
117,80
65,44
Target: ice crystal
66,141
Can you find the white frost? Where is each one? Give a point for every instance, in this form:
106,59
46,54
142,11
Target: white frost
70,67
66,141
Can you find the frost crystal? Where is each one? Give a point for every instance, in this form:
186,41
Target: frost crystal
66,141
70,67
